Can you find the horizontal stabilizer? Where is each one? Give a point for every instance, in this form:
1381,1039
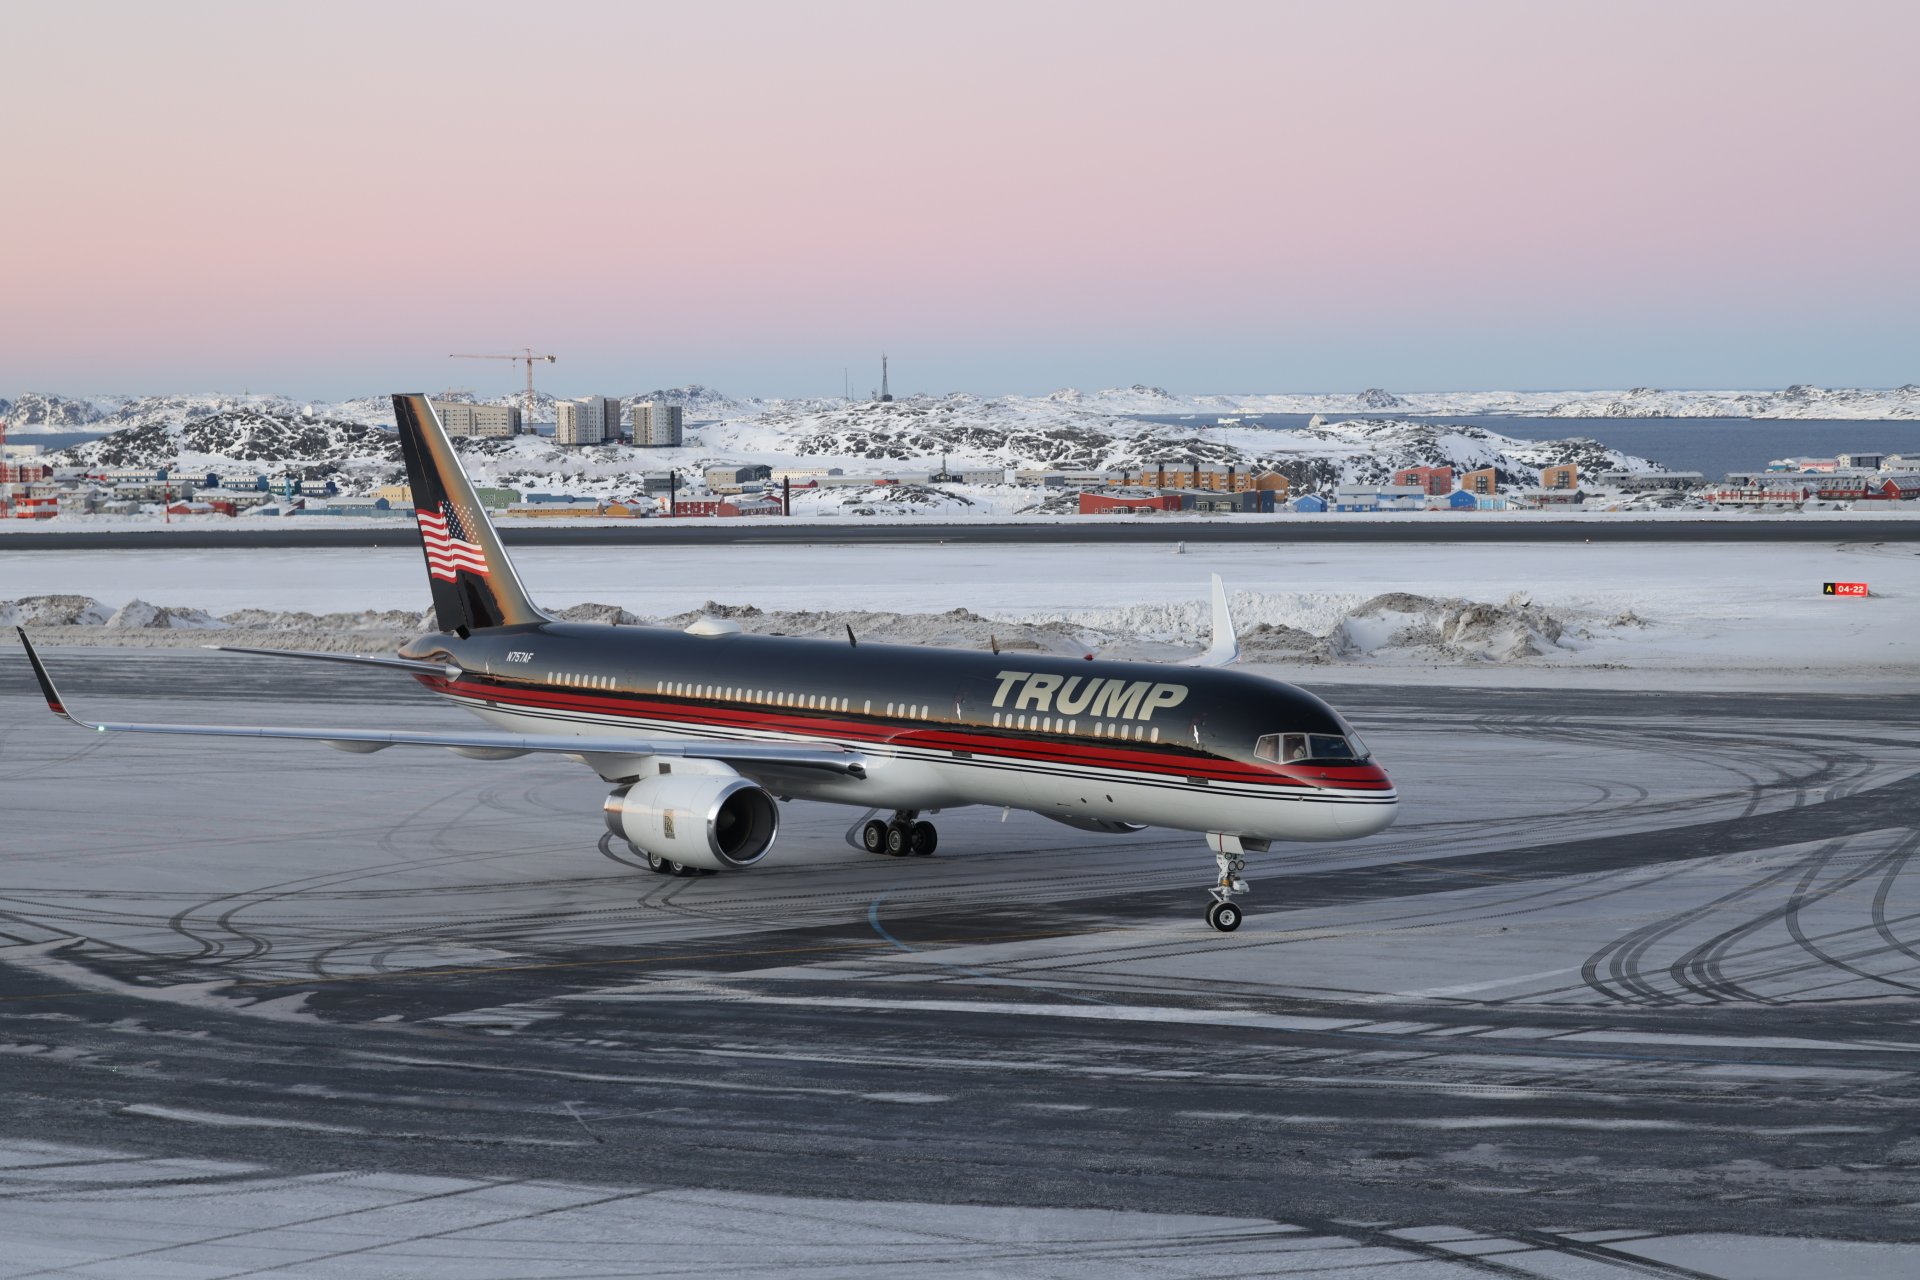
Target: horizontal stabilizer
410,665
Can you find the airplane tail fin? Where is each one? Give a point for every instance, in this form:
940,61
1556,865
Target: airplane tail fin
474,585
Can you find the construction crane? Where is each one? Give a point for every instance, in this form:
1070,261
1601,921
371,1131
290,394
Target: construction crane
530,359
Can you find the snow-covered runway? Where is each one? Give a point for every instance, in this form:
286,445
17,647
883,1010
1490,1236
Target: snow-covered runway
1625,990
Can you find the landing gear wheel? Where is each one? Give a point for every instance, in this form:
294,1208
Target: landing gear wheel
897,840
658,865
922,839
873,836
1223,916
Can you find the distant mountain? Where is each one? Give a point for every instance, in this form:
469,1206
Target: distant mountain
34,413
694,400
1376,398
1798,401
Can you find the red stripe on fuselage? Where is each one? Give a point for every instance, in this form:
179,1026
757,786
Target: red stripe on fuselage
1107,753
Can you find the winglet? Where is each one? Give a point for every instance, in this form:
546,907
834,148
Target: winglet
1225,648
51,694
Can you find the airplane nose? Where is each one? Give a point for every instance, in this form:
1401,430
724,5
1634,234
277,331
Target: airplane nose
1367,819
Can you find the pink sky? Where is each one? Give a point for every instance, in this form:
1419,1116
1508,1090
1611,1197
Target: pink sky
327,199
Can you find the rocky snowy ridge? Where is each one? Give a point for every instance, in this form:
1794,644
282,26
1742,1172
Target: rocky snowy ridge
918,433
1799,401
35,412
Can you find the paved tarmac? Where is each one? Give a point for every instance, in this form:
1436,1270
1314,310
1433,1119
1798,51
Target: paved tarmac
1630,986
344,531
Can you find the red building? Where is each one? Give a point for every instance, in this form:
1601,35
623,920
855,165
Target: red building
36,508
24,473
1898,488
698,507
744,506
1110,504
1434,481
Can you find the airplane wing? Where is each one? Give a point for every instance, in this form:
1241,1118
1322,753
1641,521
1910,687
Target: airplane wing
611,756
1225,648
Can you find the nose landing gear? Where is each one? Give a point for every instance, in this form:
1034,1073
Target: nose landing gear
1222,914
902,836
1229,853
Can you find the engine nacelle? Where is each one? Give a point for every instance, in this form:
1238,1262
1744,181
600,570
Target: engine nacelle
717,821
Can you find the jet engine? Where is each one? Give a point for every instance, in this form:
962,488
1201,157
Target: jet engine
720,822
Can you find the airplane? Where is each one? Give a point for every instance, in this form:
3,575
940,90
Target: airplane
701,730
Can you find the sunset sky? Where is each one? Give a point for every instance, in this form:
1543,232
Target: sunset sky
327,199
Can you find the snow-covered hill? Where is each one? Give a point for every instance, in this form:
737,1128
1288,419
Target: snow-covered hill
907,435
35,413
38,413
698,403
1056,433
277,438
1799,401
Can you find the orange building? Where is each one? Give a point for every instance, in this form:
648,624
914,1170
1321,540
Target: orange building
1231,480
1485,481
1564,476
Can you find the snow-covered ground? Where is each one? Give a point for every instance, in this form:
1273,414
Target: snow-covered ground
1683,613
112,1213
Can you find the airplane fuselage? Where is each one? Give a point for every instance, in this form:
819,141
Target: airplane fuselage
1089,742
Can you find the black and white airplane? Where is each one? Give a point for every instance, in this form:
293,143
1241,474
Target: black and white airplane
700,730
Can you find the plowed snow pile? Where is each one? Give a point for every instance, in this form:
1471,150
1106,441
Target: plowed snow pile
1291,627
1326,627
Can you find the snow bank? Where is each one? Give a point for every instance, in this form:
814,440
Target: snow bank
1312,627
139,615
53,611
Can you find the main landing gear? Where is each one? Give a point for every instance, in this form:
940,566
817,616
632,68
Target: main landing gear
902,836
671,867
1229,853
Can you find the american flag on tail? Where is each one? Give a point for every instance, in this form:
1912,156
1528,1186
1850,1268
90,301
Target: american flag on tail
448,549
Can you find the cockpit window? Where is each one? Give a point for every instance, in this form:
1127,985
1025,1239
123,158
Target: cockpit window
1300,748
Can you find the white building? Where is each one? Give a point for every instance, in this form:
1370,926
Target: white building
491,421
588,420
657,425
1379,497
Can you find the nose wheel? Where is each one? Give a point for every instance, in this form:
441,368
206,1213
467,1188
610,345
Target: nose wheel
902,837
1222,913
1223,916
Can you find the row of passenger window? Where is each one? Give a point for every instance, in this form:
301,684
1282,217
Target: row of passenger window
896,710
1059,724
783,698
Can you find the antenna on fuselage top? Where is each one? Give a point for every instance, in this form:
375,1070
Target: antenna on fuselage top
851,642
